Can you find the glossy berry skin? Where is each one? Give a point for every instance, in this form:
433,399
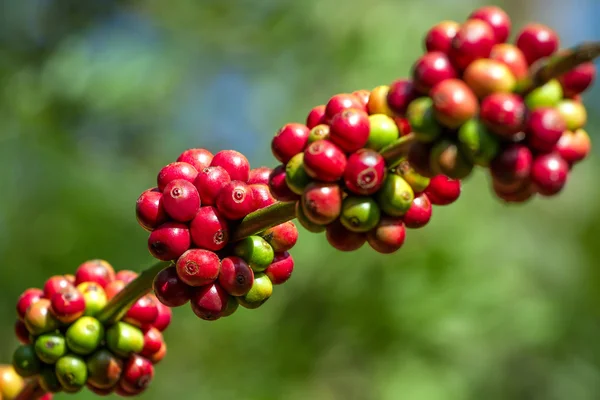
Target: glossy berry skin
306,222
197,158
198,267
236,276
98,271
474,40
49,347
477,142
143,312
319,132
170,289
573,113
322,202
209,183
360,213
169,241
256,251
549,173
395,196
378,103
278,185
389,236
547,95
316,116
350,130
163,320
281,237
431,69
126,275
400,93
289,140
39,318
104,369
497,19
261,291
324,161
511,56
176,170
262,196
578,80
181,200
439,37
296,176
537,41
124,339
281,268
259,175
443,190
137,374
27,298
544,128
21,332
485,77
94,296
421,116
55,284
512,165
417,182
363,95
153,341
419,213
365,172
208,302
85,335
113,288
574,146
149,210
67,305
343,239
25,361
504,114
341,102
235,200
454,102
234,162
383,131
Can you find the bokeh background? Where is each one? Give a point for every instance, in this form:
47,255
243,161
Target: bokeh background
488,301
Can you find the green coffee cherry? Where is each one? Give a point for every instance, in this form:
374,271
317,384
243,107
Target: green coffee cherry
383,131
295,174
256,251
478,143
395,196
25,361
319,132
85,335
547,95
360,214
48,380
259,293
49,347
422,120
124,339
71,372
94,296
305,222
449,159
104,369
417,182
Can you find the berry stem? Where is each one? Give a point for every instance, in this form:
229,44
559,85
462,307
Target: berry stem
264,218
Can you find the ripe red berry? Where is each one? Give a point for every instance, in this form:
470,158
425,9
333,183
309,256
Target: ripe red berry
27,298
431,69
514,194
21,332
99,271
578,79
400,93
113,288
316,116
278,186
209,302
485,77
365,172
350,130
181,200
176,170
197,158
549,173
198,267
442,190
234,162
169,241
289,140
512,165
363,95
511,56
341,102
209,229
143,312
403,125
324,161
55,284
153,341
388,236
537,41
138,372
67,305
259,175
545,126
149,210
262,196
439,37
322,202
281,268
454,103
209,183
236,276
163,320
497,19
574,146
281,237
419,213
126,275
235,200
169,289
504,114
474,40
343,239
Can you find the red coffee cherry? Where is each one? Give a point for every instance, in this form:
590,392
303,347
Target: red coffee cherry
419,213
545,126
400,93
209,302
365,172
281,268
289,140
549,173
537,41
170,289
234,162
504,114
316,116
431,69
574,146
113,288
389,235
518,194
21,332
153,341
322,202
341,102
126,275
278,186
363,95
512,165
442,190
209,183
259,175
497,19
137,374
578,80
235,200
419,156
511,56
209,229
281,237
197,158
262,196
236,276
485,77
163,320
454,103
181,200
176,170
98,271
67,305
56,284
350,130
324,161
198,267
474,40
27,298
343,239
149,210
439,37
143,312
169,241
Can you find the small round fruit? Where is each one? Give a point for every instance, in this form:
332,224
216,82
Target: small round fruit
209,183
126,275
579,79
396,195
573,113
421,116
316,116
181,200
209,230
478,143
67,305
176,170
137,374
208,302
439,37
281,237
259,293
359,214
143,312
289,140
514,194
170,289
256,251
169,241
55,284
124,339
11,384
262,196
431,69
454,103
401,92
549,173
296,176
383,131
281,268
278,185
474,40
21,332
231,307
94,297
104,369
443,190
363,96
511,56
149,210
365,172
378,101
305,222
234,162
449,159
49,347
389,236
163,320
236,276
85,335
71,372
113,288
25,361
39,319
341,102
235,200
98,271
343,239
512,165
547,95
259,176
48,380
504,114
419,213
153,341
574,146
197,158
417,182
486,76
349,130
537,41
545,126
496,18
27,298
322,202
319,132
198,267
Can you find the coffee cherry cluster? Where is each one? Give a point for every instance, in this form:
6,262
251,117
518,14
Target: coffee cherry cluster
470,103
67,348
12,384
332,166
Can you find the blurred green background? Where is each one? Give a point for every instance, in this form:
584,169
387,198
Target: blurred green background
487,302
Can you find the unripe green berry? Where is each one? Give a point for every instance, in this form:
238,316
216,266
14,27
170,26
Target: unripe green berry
448,159
295,174
124,339
395,196
25,361
49,347
417,182
48,379
573,112
547,95
256,251
104,369
478,143
261,291
422,120
85,335
383,131
360,214
71,372
319,132
94,296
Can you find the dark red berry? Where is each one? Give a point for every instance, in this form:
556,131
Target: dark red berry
67,305
234,162
515,194
324,161
259,175
400,94
27,298
442,190
474,40
419,156
365,172
388,236
431,69
511,56
289,140
126,275
198,267
497,19
341,102
197,158
99,271
235,200
322,202
454,103
419,213
281,237
138,372
281,268
149,210
343,239
163,320
153,341
504,114
21,332
439,37
549,173
236,276
143,312
181,200
350,130
403,125
278,186
209,183
169,241
56,284
512,165
537,41
209,302
316,116
169,289
574,146
578,79
176,170
262,196
545,125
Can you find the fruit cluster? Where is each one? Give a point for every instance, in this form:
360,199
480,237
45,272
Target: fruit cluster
192,213
12,385
470,102
66,347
